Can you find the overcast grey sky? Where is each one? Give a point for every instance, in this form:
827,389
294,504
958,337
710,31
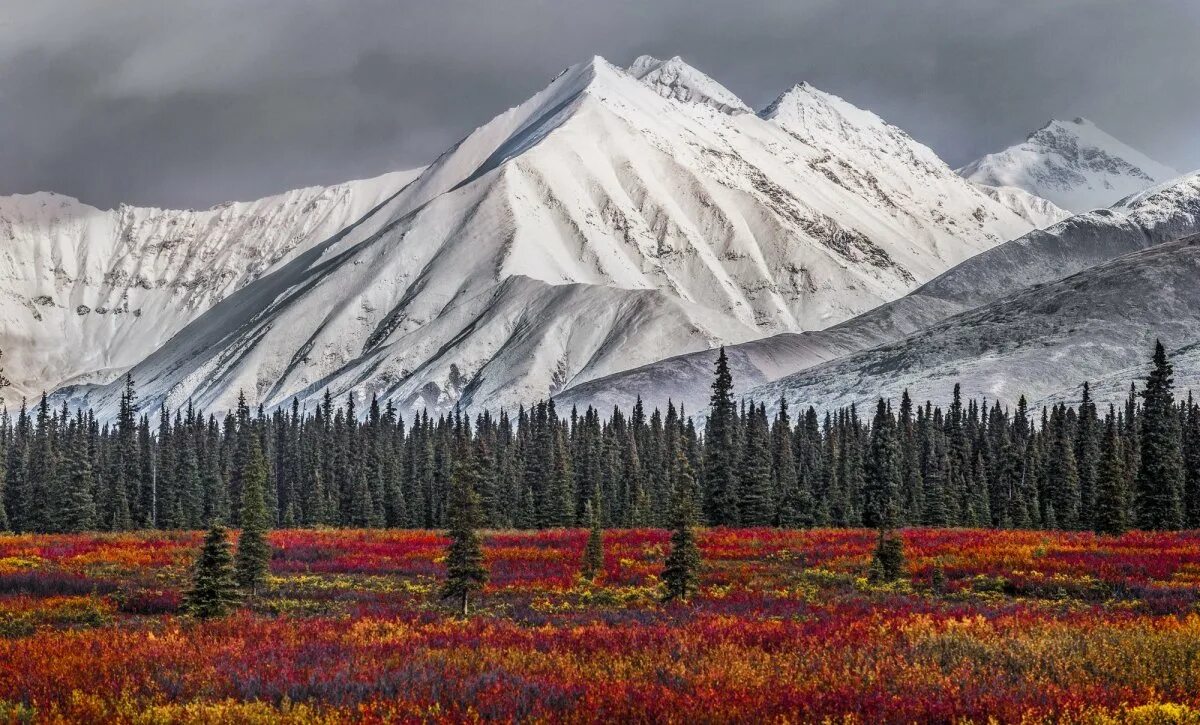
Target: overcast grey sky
191,102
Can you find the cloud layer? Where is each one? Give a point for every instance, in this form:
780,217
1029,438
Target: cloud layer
192,102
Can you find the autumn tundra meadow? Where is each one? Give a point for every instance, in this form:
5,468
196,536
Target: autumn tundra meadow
785,626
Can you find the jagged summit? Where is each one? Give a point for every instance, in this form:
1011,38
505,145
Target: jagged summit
1074,164
674,78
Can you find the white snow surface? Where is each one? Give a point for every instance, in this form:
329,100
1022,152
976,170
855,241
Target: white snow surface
1073,164
673,78
598,226
88,293
763,368
1039,212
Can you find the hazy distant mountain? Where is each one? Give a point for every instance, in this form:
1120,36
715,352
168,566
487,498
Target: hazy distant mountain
1073,164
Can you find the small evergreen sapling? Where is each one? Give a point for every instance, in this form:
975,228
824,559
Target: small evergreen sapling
887,564
465,570
214,591
681,575
593,553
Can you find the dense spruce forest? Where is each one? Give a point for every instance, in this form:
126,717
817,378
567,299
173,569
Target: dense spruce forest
973,464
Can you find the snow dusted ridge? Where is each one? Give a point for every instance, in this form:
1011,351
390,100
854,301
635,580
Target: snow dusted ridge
1041,343
783,363
675,79
1073,164
88,293
1039,212
598,226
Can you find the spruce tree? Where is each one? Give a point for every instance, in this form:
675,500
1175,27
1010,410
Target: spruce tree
883,472
77,507
465,569
1191,459
214,591
1063,473
253,551
887,563
681,573
1112,498
756,496
720,449
1161,476
593,552
1087,455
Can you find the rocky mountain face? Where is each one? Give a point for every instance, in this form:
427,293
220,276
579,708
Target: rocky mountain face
1162,214
613,218
1073,164
1042,343
88,293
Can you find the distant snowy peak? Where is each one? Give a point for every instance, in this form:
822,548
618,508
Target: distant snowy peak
1074,164
676,79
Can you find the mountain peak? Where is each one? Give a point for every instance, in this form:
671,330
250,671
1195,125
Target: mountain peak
826,121
1075,164
674,78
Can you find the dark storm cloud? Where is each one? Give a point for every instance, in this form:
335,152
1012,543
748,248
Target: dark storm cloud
190,102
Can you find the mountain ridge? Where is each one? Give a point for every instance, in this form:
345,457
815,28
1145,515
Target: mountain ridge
718,227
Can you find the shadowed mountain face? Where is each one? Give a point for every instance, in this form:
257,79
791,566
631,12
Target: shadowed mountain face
1162,214
613,218
1041,343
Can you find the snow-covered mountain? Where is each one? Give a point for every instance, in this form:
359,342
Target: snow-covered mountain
604,223
1162,214
87,293
1074,164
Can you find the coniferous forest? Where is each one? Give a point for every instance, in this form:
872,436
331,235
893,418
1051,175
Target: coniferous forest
904,463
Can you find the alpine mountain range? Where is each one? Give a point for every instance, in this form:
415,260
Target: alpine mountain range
597,242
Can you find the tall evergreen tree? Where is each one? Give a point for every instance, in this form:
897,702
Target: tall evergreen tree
883,472
720,450
1112,495
253,551
77,507
756,494
1161,476
1191,460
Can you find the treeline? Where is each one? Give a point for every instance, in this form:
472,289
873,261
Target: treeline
973,464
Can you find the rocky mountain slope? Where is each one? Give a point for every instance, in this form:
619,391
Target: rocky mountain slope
1041,343
1162,214
1074,164
87,293
598,226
